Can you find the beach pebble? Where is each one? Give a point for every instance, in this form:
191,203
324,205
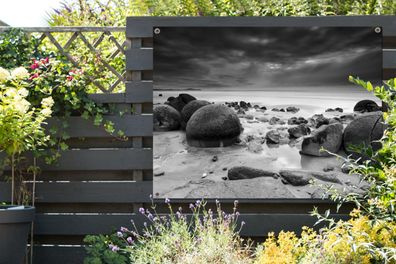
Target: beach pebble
213,125
256,106
204,175
273,137
296,121
278,109
243,104
366,129
189,109
292,109
249,117
243,172
160,95
180,101
224,178
318,120
295,178
365,106
263,108
276,121
328,137
299,131
224,169
166,118
215,158
337,109
159,173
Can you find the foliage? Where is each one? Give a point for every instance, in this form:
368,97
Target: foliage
370,235
17,48
115,12
66,85
99,253
357,240
203,237
21,123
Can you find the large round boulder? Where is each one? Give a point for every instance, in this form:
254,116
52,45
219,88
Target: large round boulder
189,109
364,106
166,118
213,125
179,102
365,131
328,137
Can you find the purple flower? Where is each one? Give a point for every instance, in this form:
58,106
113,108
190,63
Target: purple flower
114,248
167,200
141,210
237,213
197,203
130,240
243,223
124,229
235,203
191,206
180,209
150,216
178,214
217,202
120,234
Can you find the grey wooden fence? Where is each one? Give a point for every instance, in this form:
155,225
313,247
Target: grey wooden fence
99,184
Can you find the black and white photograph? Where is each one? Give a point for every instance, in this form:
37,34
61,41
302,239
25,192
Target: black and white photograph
262,112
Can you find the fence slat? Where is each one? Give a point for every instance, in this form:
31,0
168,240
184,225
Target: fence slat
139,59
131,125
389,59
59,255
87,192
142,27
100,159
139,92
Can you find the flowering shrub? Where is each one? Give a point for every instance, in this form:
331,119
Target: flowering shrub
21,123
354,241
203,237
66,85
370,235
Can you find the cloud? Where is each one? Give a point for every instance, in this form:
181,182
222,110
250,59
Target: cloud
264,57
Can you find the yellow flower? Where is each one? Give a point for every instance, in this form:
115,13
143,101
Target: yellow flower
20,73
4,74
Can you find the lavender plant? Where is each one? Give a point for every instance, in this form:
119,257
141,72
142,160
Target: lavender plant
199,236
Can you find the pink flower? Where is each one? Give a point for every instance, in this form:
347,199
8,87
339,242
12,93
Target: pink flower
45,61
69,78
35,65
34,76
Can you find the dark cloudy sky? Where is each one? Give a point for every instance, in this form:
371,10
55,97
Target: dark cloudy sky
257,58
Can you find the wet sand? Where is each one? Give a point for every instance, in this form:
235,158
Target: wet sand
189,172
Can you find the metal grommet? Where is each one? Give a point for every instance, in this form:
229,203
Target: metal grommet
157,31
377,29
